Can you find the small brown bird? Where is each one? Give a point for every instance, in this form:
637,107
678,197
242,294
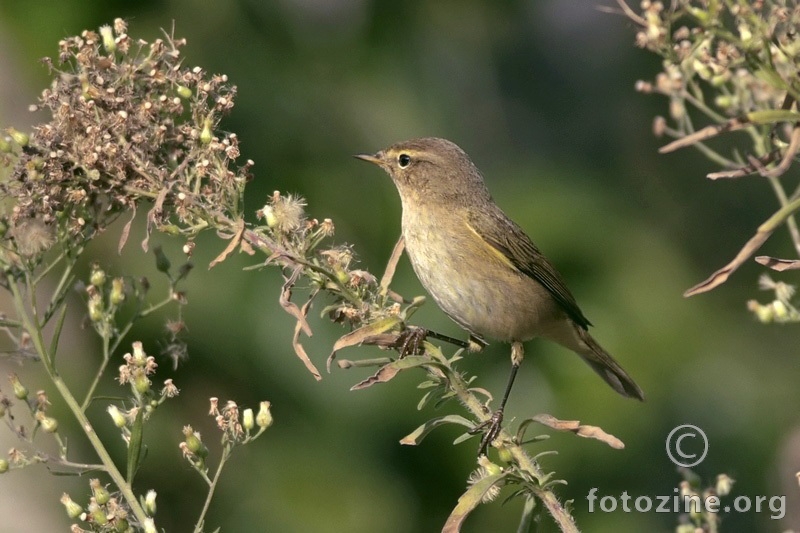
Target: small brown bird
479,266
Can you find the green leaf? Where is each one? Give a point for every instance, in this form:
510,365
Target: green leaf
425,399
416,436
463,437
770,116
469,501
528,515
135,445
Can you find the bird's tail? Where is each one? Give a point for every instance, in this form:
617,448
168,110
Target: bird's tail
605,365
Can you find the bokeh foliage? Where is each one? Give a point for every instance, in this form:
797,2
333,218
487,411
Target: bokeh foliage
541,95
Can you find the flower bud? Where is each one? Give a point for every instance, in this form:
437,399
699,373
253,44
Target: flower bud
724,484
117,416
780,310
117,295
676,109
206,136
140,382
121,525
20,391
73,509
150,502
98,276
491,468
108,39
162,262
193,442
95,307
5,146
248,419
18,137
343,276
48,423
98,516
149,526
659,126
264,416
269,216
139,357
170,229
725,101
505,455
764,313
184,92
100,493
3,466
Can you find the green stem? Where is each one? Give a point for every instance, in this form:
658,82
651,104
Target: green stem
198,528
791,223
99,374
109,348
524,461
31,324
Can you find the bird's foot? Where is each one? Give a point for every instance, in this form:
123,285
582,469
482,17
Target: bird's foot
410,341
491,429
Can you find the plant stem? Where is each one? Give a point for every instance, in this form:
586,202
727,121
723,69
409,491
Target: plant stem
198,528
524,461
99,374
31,324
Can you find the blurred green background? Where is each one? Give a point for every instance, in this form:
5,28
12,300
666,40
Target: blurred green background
540,94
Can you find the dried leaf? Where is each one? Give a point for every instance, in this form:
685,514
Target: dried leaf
388,372
763,233
778,264
554,423
594,432
247,248
288,305
745,170
298,348
126,231
788,156
360,335
391,266
300,314
416,436
234,242
705,133
574,426
152,215
469,501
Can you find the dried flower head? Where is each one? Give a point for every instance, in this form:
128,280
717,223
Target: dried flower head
284,214
125,125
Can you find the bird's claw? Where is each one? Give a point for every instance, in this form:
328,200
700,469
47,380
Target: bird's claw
410,341
491,429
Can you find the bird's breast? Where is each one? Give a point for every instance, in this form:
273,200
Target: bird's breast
470,282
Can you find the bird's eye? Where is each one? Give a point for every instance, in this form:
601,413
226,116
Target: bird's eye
404,160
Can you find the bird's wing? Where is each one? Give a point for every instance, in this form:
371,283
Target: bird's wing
510,241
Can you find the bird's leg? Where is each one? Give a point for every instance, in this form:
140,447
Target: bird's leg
409,341
493,425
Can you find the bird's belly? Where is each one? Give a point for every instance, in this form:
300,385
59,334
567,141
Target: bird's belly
494,301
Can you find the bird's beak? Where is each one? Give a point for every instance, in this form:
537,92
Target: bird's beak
374,158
